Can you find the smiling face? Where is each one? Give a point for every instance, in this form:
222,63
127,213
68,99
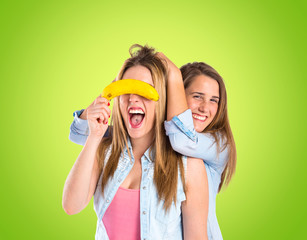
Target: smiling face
202,97
138,112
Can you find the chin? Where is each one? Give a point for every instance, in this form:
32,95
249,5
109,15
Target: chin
135,134
200,129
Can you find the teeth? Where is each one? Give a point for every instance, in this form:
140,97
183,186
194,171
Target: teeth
199,117
139,111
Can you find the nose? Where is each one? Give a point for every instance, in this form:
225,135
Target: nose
203,107
134,98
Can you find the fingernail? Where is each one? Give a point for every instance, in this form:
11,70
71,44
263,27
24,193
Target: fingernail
109,116
108,104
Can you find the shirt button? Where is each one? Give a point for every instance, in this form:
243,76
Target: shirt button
144,188
145,170
144,212
108,201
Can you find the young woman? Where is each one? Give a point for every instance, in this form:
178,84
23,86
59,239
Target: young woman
205,95
142,188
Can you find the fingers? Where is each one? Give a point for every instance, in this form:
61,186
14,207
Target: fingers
100,99
99,107
161,55
99,111
101,115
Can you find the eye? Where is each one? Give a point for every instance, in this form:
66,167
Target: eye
214,100
198,97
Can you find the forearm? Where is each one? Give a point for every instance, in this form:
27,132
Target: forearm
176,100
78,183
83,115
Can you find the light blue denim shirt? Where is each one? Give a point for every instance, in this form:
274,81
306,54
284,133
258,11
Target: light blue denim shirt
185,140
155,222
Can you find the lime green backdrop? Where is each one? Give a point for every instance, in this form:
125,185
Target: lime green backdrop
57,56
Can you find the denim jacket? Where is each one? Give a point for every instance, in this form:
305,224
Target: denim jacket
155,222
185,140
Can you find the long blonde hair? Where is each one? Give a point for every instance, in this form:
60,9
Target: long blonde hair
166,161
219,127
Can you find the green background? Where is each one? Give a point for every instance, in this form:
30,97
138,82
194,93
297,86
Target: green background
57,56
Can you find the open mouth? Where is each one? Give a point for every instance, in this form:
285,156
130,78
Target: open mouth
136,117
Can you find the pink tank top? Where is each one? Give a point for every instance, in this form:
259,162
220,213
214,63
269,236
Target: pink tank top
122,218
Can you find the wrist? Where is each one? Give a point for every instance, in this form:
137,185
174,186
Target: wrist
83,115
94,138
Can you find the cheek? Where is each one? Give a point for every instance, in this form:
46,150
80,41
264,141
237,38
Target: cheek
123,99
150,109
122,107
153,112
214,110
191,103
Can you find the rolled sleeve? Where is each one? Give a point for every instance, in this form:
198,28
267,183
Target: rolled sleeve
186,141
79,125
181,123
78,129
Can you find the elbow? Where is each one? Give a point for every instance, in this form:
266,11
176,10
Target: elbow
179,146
69,210
76,139
175,144
72,138
69,207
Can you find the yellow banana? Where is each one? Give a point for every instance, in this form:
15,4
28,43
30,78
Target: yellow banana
130,86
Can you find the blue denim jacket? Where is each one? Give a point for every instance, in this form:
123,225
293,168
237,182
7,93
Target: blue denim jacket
185,140
155,222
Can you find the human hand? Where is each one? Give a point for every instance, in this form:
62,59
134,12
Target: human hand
98,114
84,113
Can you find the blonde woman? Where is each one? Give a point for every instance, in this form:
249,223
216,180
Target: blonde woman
197,126
142,189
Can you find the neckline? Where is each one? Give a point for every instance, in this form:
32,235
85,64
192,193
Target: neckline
129,190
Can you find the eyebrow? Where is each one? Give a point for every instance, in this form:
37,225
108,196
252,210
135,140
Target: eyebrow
200,93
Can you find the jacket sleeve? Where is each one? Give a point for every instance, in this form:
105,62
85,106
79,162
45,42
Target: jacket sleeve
79,130
186,141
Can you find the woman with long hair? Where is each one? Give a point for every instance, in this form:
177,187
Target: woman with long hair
142,188
202,131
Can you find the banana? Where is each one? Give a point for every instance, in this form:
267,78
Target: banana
130,86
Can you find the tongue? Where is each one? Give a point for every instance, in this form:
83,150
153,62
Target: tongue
136,119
